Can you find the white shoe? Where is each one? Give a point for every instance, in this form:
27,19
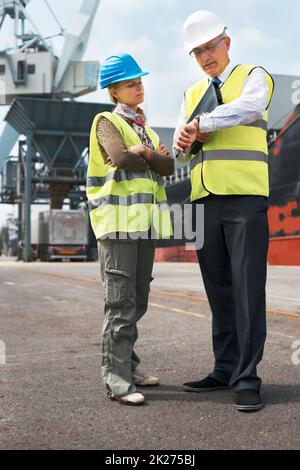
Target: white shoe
132,399
147,382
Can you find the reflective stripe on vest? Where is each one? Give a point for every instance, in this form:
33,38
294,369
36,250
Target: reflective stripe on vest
121,200
113,200
235,160
122,175
244,155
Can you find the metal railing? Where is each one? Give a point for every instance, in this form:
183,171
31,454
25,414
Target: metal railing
180,174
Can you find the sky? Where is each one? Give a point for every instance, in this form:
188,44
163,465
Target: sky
263,32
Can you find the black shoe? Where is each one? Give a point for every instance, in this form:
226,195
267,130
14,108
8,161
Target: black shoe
248,400
205,385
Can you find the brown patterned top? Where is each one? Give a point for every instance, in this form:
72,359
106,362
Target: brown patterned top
112,145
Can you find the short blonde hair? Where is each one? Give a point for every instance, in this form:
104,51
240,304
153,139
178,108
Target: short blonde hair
111,88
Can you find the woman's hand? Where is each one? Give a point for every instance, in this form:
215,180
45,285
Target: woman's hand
163,150
110,162
139,149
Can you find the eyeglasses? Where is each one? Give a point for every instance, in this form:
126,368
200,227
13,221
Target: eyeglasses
199,50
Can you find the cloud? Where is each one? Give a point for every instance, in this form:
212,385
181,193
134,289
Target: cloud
253,37
137,46
251,45
133,5
242,6
140,48
293,68
123,5
164,93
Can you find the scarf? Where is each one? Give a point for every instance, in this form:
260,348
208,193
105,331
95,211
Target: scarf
137,120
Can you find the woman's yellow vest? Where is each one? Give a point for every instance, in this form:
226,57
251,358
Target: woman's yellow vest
235,160
120,200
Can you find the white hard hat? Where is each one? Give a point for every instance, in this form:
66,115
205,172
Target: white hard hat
201,27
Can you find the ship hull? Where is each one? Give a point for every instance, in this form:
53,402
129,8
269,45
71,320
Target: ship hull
284,201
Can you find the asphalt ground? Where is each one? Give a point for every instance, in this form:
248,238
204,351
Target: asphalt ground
51,391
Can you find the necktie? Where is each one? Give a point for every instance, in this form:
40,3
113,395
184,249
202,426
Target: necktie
216,83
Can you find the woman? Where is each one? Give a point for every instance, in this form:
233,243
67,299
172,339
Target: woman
127,200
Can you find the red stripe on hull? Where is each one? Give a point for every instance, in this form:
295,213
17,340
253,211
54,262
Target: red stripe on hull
175,254
284,251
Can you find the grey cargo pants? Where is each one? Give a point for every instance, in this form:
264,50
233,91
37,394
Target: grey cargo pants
126,269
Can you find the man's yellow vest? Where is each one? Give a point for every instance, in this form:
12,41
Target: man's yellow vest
235,160
120,200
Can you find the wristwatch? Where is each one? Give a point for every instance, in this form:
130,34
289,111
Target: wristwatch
198,119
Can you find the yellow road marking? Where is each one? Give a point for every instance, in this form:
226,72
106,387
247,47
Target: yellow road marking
72,277
280,297
270,332
193,297
190,297
177,310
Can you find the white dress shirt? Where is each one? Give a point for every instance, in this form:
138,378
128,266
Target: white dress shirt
249,107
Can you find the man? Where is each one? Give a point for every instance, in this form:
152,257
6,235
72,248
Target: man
230,177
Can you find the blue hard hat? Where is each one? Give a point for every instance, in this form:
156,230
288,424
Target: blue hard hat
118,68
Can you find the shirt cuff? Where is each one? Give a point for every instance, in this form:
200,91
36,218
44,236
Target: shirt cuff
206,124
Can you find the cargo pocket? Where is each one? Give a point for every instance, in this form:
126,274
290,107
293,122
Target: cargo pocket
116,288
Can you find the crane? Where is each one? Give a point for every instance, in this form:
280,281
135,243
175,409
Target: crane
29,67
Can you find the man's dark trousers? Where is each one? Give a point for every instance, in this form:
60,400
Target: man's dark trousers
233,263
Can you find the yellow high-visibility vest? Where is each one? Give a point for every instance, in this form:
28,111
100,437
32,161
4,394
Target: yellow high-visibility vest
235,160
120,200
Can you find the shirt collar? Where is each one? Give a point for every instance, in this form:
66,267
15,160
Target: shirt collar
225,74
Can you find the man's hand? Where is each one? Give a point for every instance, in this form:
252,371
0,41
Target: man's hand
203,137
188,134
163,150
